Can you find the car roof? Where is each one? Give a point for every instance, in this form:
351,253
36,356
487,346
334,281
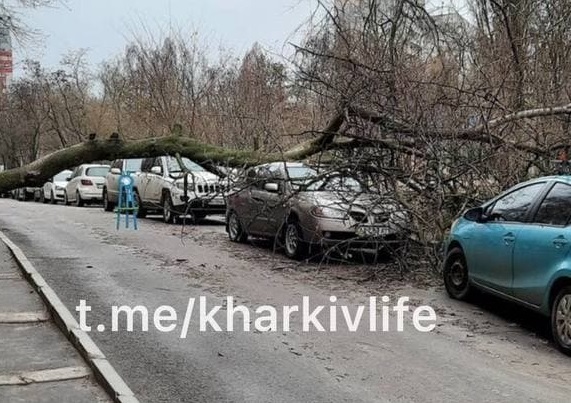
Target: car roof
282,164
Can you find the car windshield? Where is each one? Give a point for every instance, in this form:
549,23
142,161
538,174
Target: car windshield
336,184
306,178
174,166
301,173
62,176
97,171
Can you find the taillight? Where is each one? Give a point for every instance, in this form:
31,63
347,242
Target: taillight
86,182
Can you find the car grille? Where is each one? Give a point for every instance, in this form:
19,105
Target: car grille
358,216
209,188
363,218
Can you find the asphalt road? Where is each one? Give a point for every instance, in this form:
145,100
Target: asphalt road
478,353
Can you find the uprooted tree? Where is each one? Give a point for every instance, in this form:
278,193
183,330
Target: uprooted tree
449,108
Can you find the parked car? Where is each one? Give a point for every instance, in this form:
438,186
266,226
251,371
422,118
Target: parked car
111,184
24,194
516,246
86,184
54,189
313,212
160,187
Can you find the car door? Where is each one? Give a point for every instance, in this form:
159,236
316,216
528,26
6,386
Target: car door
144,178
542,247
71,187
490,256
156,182
113,181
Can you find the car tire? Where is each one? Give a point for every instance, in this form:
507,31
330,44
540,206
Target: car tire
169,217
52,198
107,205
65,199
456,275
294,245
235,231
78,200
43,198
561,320
141,211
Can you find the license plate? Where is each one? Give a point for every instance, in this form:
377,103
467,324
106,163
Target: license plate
370,231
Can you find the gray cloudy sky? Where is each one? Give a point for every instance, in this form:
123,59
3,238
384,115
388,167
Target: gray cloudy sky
105,26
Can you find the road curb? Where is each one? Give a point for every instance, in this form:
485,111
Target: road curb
111,381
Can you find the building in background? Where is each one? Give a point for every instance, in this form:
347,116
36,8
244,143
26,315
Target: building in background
6,62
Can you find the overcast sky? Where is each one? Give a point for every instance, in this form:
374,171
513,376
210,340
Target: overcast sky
105,26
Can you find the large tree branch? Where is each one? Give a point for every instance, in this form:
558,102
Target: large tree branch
39,171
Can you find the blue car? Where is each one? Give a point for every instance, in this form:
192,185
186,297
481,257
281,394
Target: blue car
517,246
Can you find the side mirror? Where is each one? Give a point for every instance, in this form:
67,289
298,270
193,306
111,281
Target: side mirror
272,187
476,214
68,179
157,170
115,171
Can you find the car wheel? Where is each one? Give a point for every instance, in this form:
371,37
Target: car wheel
53,198
78,201
43,197
107,205
141,211
235,231
65,199
294,244
561,320
456,277
168,214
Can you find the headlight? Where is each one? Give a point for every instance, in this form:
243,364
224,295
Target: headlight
329,212
190,187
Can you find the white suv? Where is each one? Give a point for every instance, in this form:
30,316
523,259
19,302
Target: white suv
161,187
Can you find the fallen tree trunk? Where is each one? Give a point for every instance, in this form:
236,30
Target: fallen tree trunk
38,172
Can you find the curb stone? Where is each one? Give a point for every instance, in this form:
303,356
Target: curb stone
111,381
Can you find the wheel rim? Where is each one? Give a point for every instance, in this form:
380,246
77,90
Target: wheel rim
167,210
563,320
291,239
233,226
457,276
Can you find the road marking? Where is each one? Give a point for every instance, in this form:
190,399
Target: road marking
46,375
24,317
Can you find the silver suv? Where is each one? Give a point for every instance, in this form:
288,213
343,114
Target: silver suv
163,185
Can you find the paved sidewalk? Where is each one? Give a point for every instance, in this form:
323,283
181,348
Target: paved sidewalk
37,363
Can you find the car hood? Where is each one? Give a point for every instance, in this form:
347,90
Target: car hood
201,177
365,202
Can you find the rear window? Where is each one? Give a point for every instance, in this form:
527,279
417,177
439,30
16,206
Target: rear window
97,171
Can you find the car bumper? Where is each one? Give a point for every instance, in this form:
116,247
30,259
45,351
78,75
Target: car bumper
91,194
183,204
336,233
